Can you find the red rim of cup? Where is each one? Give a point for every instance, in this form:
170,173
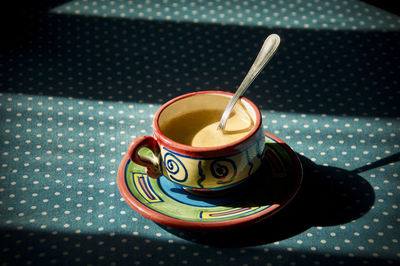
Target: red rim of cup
207,151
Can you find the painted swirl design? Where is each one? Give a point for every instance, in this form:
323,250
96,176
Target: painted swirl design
223,169
175,168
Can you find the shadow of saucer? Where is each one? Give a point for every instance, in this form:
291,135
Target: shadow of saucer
328,196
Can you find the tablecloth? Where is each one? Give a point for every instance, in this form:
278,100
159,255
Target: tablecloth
80,79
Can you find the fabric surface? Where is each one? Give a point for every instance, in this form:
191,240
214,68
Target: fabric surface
88,77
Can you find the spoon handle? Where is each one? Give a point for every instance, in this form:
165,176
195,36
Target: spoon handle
264,55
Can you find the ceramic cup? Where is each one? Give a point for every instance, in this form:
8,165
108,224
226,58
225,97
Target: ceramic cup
201,169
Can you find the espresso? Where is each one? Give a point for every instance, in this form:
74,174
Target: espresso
199,128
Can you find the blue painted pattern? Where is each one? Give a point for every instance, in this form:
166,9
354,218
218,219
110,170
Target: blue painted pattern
223,169
176,169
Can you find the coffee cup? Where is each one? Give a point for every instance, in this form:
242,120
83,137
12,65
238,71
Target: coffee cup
189,150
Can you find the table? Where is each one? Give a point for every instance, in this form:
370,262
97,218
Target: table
84,78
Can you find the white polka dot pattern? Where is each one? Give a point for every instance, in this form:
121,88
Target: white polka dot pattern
315,14
82,87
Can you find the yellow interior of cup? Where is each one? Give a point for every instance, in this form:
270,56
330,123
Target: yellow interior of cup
211,104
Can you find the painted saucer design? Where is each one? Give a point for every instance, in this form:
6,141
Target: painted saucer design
274,185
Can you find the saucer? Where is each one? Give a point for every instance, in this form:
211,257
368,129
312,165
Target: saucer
264,194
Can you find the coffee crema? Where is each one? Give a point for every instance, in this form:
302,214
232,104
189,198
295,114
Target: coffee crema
199,128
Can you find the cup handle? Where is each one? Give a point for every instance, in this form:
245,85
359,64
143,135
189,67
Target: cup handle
152,164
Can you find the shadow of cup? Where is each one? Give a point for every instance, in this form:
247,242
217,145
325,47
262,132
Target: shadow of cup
328,196
334,196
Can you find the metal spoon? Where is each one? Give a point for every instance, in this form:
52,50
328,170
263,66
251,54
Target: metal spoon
267,51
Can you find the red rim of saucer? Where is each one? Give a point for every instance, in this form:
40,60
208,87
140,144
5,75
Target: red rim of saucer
207,151
190,225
